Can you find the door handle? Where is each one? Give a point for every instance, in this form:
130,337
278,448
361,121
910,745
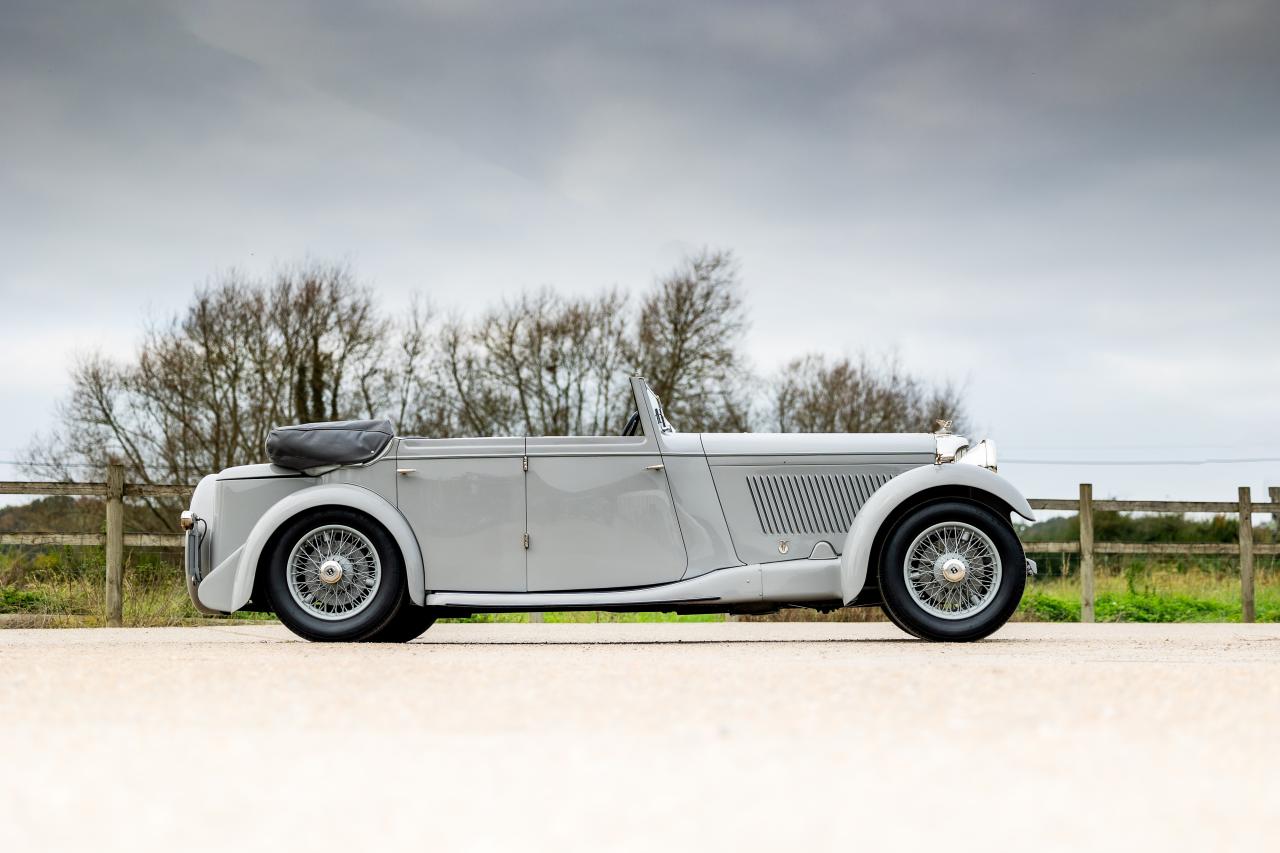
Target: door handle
403,471
657,467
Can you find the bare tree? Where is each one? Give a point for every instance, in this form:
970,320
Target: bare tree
413,387
206,387
332,339
543,364
813,394
687,342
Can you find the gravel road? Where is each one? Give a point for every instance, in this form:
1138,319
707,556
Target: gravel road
642,737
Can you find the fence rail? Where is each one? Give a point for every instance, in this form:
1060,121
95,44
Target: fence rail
131,490
1073,505
115,490
1222,549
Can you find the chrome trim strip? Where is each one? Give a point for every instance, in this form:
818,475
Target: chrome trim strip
459,456
533,454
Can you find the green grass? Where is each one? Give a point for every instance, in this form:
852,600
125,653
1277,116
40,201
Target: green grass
19,600
65,587
1140,591
1043,607
81,602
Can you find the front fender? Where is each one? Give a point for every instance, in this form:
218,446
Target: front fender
230,585
856,557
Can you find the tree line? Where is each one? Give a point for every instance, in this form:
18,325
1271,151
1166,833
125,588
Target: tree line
311,343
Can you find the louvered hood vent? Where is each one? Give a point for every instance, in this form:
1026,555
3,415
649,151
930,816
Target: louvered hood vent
811,503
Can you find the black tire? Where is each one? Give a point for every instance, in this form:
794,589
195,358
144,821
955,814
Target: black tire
910,615
902,626
410,623
380,610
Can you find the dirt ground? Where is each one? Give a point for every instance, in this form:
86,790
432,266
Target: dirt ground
642,737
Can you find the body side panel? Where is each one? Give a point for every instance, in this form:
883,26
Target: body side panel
600,515
378,477
465,499
699,514
599,510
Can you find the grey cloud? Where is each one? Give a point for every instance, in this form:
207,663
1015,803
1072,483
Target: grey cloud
982,185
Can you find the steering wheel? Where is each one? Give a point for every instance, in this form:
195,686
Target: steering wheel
633,424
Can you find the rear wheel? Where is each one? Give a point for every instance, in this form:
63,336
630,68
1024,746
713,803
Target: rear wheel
336,576
952,571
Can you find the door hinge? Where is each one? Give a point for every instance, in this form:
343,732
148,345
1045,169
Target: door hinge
526,463
526,541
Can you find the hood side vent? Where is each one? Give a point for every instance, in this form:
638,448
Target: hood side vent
800,504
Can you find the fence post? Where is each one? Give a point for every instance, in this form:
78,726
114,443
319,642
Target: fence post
1246,556
115,543
1274,491
1086,552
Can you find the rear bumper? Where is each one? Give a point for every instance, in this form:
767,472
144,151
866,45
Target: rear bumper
191,562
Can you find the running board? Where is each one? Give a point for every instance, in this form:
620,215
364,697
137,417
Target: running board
793,581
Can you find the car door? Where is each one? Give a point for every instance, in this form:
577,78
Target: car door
465,500
600,515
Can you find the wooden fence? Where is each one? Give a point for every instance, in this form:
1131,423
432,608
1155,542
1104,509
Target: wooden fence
115,490
1086,506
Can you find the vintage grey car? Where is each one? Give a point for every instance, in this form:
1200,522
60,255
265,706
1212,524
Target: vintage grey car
355,534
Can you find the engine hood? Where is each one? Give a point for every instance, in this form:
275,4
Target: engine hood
819,444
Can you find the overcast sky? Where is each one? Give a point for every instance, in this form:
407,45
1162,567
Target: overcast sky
1074,208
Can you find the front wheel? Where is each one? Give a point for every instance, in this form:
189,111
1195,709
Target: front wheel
410,623
336,576
952,571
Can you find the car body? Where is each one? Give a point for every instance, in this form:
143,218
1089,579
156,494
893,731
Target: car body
656,520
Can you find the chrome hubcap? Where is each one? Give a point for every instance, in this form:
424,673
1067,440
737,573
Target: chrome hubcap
952,570
331,571
334,572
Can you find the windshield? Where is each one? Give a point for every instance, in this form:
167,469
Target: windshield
655,406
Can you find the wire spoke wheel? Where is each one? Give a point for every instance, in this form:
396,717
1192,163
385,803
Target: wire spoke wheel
333,572
952,570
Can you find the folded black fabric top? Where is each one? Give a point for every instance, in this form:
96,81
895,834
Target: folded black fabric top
304,446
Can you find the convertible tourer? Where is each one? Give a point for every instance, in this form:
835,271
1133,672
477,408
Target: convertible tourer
352,533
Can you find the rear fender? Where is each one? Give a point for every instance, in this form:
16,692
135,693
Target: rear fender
855,559
228,594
